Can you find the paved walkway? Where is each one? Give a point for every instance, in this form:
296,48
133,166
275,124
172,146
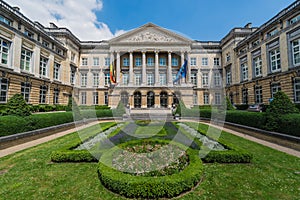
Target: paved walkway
20,147
33,143
259,141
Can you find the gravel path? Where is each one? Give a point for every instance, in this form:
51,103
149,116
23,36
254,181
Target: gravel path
33,143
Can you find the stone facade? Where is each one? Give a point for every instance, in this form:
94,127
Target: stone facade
49,64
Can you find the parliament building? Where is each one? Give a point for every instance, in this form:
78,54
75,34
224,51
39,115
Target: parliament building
48,65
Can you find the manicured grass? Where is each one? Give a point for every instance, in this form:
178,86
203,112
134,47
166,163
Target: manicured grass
31,175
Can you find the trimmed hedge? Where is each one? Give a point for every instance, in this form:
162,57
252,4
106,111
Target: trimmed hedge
150,187
14,124
68,154
233,154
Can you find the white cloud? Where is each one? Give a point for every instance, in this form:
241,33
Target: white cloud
76,15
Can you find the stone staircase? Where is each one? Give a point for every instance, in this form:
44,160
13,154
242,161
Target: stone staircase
150,114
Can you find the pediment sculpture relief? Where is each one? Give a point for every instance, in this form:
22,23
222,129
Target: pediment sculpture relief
150,37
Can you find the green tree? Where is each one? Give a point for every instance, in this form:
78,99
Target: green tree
281,105
16,105
229,105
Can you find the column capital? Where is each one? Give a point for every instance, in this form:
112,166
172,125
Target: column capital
144,51
156,51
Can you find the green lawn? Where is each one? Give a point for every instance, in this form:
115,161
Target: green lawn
31,175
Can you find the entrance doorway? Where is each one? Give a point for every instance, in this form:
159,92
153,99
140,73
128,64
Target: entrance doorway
163,99
137,96
150,99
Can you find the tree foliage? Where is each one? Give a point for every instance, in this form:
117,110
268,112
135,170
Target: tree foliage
16,105
281,105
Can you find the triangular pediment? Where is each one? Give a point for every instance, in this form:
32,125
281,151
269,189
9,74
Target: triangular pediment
150,33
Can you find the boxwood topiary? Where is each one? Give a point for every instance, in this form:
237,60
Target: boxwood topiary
149,187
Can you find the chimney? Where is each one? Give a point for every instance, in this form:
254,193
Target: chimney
249,25
52,25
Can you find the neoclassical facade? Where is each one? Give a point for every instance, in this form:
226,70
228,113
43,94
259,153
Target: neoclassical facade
47,65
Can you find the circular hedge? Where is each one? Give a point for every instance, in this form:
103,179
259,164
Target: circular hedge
133,186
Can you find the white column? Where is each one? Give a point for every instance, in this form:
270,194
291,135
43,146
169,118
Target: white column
130,68
144,74
199,78
188,69
156,68
182,62
169,72
118,67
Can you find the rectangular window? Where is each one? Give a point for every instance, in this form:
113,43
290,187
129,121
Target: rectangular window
96,61
162,79
205,80
206,98
195,98
194,79
297,90
296,51
228,57
56,72
216,61
174,62
217,79
294,19
26,57
83,80
56,96
245,96
257,63
217,98
162,62
95,98
150,79
107,62
258,95
106,98
106,79
25,91
275,60
3,90
29,33
84,61
244,70
193,61
174,77
125,62
72,57
273,32
43,66
5,20
96,79
83,98
43,94
274,89
137,79
228,76
72,75
138,62
125,79
4,51
204,61
150,62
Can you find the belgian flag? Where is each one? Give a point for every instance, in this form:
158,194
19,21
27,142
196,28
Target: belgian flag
112,73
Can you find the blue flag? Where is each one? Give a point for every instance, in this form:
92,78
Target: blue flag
182,72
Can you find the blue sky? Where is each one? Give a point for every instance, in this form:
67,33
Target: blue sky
198,19
205,20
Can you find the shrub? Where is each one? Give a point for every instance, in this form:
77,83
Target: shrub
289,124
281,105
150,187
229,105
119,111
252,119
16,105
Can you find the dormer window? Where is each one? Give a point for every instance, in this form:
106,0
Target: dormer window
45,43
